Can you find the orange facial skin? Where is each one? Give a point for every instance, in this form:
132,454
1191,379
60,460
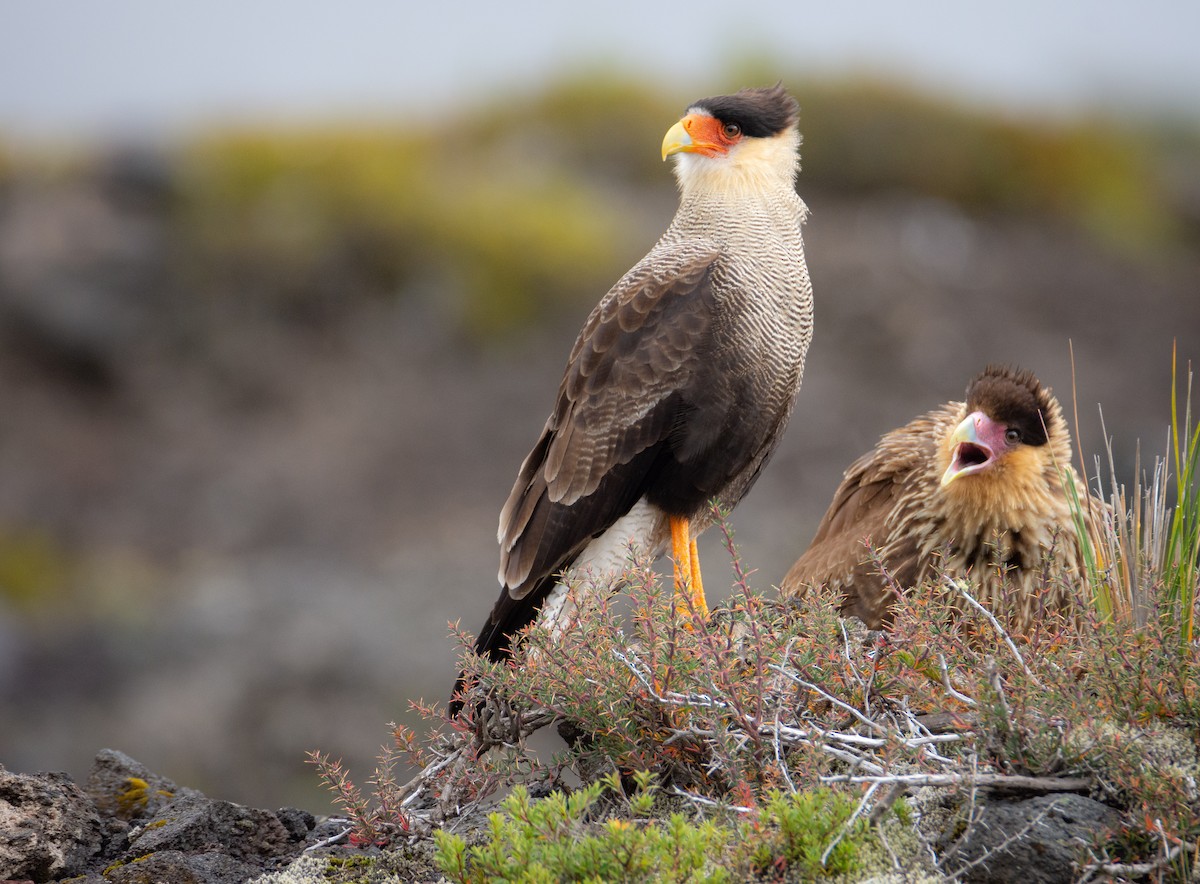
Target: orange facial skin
701,133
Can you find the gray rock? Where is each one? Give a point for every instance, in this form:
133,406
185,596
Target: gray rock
128,790
179,868
202,825
49,829
1053,831
297,822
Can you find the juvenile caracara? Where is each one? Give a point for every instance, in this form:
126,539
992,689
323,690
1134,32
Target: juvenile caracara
683,377
973,489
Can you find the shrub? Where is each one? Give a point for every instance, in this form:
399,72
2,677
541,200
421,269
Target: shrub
778,727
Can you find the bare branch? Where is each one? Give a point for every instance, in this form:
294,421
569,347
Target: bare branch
780,760
841,704
862,805
960,587
884,804
708,802
962,698
1137,870
996,782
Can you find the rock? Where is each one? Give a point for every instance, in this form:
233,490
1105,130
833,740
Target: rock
297,822
49,829
133,826
1056,829
177,867
202,825
128,790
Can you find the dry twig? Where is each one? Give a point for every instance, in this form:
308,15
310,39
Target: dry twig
960,587
1011,783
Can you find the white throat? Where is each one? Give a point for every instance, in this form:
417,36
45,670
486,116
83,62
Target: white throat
756,165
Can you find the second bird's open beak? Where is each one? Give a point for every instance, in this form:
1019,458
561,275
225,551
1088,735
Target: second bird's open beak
968,453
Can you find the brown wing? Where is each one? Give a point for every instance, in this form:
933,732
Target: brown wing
872,505
621,399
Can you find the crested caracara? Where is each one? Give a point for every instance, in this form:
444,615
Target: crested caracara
682,379
973,489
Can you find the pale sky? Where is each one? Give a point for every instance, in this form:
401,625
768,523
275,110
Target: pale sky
105,67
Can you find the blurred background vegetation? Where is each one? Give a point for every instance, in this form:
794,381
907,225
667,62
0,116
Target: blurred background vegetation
266,386
532,206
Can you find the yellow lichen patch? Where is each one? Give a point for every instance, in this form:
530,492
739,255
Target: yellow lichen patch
134,799
112,867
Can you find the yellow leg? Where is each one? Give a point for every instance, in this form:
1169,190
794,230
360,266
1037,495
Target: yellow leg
698,599
681,552
687,568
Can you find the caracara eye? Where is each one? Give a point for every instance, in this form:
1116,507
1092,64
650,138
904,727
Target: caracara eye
1012,436
732,130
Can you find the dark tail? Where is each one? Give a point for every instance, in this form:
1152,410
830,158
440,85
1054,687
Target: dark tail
507,618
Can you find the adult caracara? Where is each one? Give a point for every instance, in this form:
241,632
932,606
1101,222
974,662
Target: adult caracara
683,377
973,489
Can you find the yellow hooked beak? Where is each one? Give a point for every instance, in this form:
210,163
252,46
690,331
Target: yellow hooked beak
677,140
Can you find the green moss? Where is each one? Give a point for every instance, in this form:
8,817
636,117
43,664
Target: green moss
350,869
557,839
343,863
795,833
579,837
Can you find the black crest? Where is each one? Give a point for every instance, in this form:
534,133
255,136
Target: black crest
761,113
1013,397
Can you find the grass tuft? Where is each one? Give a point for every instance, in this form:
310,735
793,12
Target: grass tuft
1153,550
